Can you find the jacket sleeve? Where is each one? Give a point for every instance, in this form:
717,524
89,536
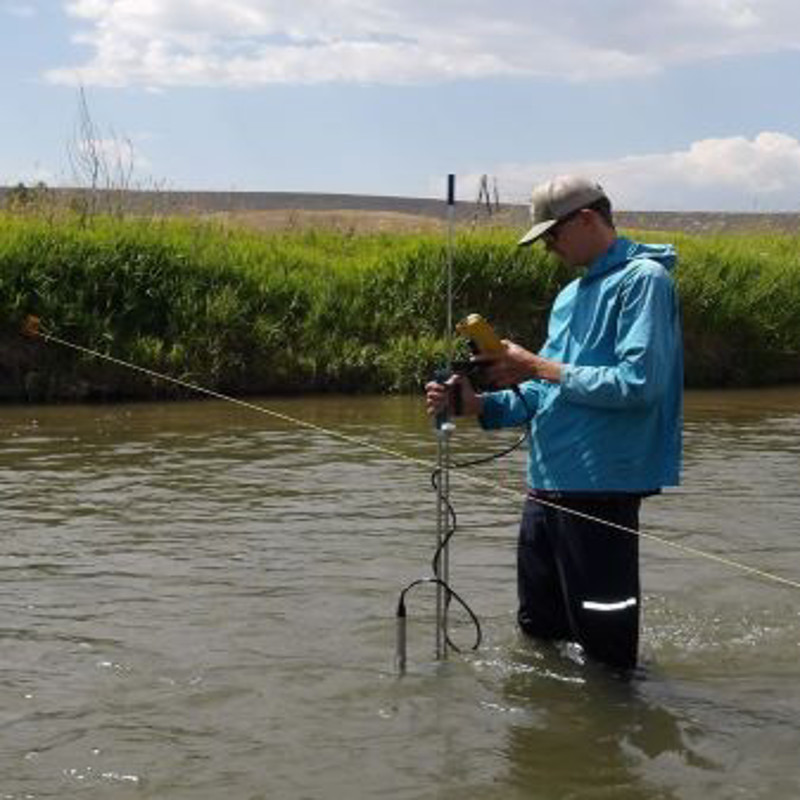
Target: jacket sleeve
507,408
647,333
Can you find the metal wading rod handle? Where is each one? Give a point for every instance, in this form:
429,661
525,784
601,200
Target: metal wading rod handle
453,404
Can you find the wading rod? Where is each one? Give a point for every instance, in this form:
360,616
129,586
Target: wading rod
443,434
444,431
451,221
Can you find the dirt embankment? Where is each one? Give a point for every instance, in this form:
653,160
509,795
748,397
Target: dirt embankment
301,210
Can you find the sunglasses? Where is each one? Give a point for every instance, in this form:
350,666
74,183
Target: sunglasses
553,233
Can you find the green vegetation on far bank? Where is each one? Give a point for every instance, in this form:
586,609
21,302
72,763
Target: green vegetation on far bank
248,313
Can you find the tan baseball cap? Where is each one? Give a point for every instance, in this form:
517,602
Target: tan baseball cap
558,198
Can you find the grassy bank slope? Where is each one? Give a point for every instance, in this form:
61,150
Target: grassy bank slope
314,311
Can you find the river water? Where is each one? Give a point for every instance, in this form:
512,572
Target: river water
198,602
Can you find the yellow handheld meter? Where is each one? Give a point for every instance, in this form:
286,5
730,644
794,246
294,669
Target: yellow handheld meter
481,335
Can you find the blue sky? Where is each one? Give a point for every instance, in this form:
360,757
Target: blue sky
671,104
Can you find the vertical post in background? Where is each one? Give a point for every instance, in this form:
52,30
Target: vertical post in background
444,431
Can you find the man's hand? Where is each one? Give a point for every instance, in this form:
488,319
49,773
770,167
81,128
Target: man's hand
438,396
516,364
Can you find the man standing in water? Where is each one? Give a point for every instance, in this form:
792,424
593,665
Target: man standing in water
603,398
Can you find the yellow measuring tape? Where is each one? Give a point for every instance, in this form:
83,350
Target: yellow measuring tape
32,328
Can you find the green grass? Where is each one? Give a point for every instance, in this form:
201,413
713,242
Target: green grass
242,312
741,305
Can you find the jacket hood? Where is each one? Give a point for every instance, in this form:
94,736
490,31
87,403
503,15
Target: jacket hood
623,251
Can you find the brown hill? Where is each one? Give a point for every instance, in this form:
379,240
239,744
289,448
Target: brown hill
288,210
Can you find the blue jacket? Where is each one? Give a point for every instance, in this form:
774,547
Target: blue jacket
613,423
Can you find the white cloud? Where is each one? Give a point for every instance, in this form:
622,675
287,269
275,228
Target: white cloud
250,42
726,174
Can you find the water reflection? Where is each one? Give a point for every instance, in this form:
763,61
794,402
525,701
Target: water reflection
599,736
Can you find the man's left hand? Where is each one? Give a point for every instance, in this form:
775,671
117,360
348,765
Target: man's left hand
516,365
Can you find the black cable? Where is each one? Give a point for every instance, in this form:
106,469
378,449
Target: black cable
529,413
449,593
493,457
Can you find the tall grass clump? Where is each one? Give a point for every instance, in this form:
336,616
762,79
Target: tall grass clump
243,312
740,295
